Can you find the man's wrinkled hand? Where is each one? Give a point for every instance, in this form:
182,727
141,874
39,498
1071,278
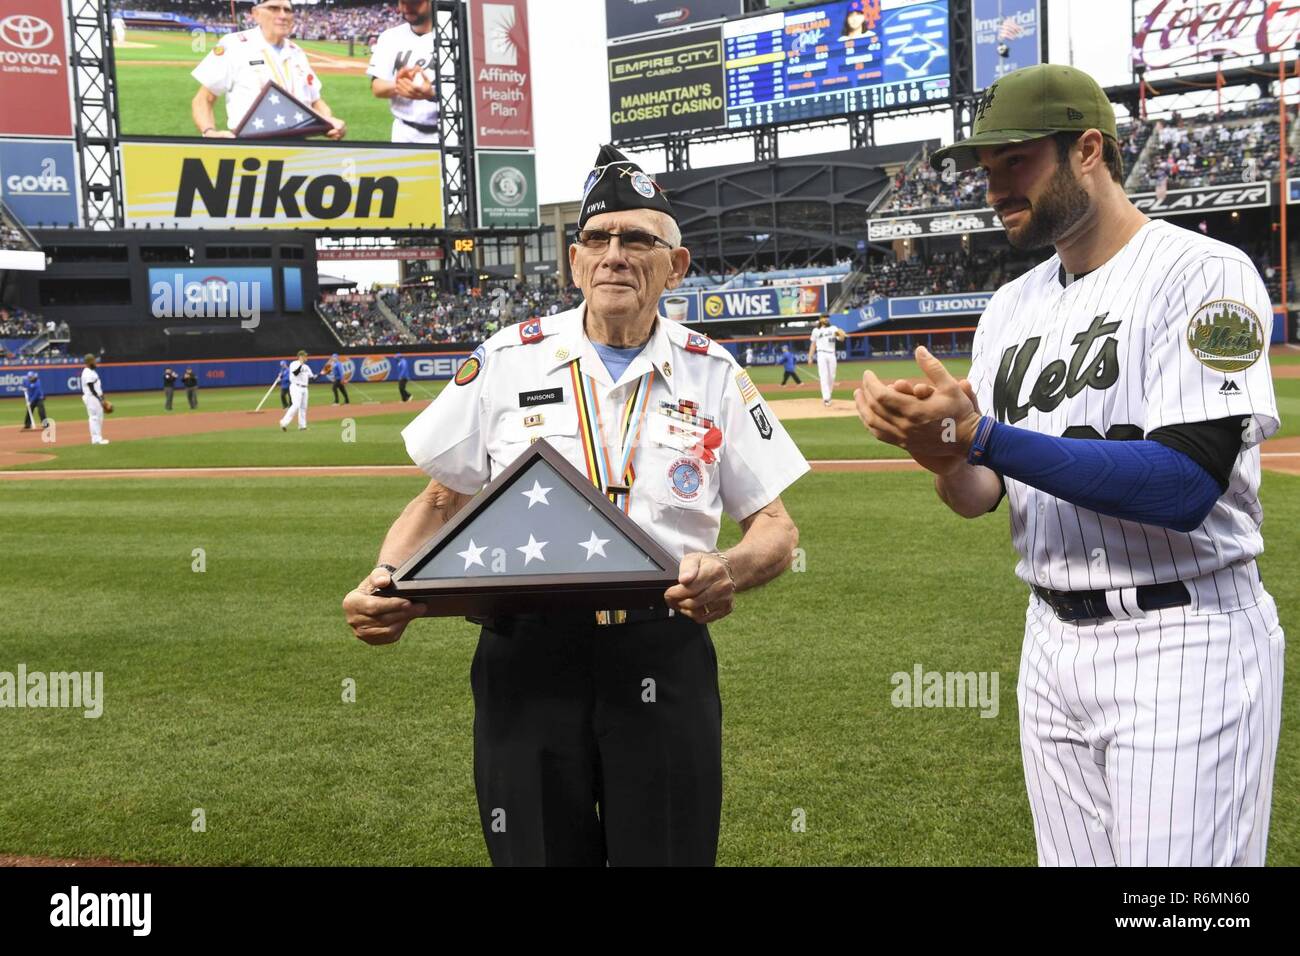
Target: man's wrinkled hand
704,591
375,619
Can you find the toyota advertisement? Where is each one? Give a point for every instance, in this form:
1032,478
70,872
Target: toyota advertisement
37,98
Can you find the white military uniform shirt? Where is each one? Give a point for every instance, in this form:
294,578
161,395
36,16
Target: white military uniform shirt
396,49
523,388
241,64
300,374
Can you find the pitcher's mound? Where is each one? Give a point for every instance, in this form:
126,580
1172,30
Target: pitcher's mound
789,409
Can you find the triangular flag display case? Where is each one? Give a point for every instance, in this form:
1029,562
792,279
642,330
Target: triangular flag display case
270,118
538,537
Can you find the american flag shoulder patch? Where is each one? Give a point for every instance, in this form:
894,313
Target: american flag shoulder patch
748,391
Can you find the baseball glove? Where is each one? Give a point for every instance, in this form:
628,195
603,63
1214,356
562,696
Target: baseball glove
108,407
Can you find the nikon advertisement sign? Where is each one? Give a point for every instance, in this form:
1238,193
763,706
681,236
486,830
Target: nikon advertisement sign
932,224
507,190
237,186
667,85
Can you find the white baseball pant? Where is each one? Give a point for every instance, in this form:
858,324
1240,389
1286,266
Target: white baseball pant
95,414
402,133
297,406
1151,741
826,362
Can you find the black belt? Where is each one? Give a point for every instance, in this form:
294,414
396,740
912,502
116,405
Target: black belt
1091,605
421,127
507,622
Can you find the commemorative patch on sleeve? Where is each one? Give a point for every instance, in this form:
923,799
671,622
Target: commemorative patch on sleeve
697,343
530,331
1226,336
470,368
748,391
761,421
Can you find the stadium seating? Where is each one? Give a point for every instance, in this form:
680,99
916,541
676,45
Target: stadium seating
336,22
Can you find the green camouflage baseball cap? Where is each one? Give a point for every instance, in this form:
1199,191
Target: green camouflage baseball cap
1031,103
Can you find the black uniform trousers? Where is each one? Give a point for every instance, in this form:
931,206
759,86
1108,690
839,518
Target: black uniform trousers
597,744
168,390
38,406
340,387
401,390
791,375
284,397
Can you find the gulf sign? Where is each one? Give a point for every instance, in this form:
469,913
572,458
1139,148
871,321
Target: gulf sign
375,368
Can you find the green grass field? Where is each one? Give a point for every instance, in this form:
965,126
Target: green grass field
155,87
223,689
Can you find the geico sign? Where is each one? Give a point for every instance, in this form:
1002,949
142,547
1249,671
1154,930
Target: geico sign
435,367
957,224
1227,197
893,229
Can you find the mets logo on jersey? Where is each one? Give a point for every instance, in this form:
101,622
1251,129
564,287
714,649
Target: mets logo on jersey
530,331
697,343
1226,336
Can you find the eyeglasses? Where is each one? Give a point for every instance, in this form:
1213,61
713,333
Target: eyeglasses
631,240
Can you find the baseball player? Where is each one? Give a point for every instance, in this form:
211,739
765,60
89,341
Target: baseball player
300,376
92,395
821,350
282,380
403,376
402,71
241,64
1117,397
334,368
34,401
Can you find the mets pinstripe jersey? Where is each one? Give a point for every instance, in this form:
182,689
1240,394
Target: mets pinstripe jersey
1174,329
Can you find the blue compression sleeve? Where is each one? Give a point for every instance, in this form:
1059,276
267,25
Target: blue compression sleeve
1142,481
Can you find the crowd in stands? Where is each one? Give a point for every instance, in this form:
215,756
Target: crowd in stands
940,274
357,321
16,323
435,316
325,21
1210,150
19,324
920,188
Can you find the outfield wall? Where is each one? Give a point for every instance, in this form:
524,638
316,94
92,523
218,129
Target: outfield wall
223,373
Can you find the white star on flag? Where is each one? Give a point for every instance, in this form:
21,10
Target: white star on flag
594,545
533,549
536,493
279,120
275,100
472,555
298,117
258,122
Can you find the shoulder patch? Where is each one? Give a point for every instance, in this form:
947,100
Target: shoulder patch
470,368
220,50
695,342
531,331
1226,336
748,391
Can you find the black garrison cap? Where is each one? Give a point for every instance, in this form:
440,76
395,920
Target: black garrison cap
616,185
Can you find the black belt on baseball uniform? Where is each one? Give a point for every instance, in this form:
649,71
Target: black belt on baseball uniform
1091,605
421,127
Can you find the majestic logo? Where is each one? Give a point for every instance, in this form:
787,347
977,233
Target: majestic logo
986,100
1057,381
508,186
1226,336
1229,388
26,32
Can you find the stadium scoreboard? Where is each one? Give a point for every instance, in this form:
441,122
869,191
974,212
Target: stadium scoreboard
816,62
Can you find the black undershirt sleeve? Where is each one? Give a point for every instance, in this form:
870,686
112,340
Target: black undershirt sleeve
1212,445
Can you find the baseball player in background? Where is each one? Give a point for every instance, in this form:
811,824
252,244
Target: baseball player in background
33,401
300,376
334,368
1118,394
402,71
823,342
92,396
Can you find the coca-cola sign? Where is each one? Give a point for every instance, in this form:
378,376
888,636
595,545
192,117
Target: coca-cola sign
1168,33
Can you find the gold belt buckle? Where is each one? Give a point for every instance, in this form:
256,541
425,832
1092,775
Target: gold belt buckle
606,618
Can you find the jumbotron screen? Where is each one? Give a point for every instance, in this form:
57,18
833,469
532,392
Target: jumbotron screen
835,58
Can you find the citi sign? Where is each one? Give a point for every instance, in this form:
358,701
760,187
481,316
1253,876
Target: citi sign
213,297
